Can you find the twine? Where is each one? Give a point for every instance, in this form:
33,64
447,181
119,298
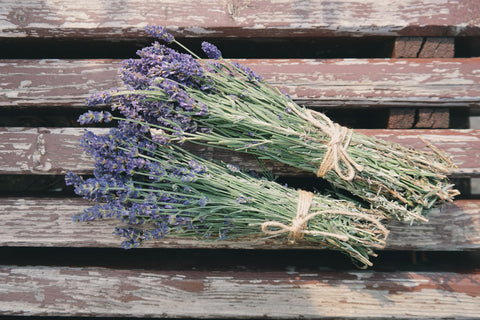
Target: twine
336,153
297,230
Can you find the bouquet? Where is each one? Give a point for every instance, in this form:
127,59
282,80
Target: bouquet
156,190
226,105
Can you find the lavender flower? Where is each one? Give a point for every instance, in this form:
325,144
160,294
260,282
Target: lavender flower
160,33
100,98
251,75
158,190
211,50
95,117
243,199
189,97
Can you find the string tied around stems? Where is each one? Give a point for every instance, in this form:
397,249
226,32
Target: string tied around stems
298,229
336,153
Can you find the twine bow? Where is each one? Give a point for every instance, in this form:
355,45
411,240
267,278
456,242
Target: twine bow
336,153
297,229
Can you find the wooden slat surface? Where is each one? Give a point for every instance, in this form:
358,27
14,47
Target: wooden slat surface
47,222
94,291
218,18
327,83
57,150
40,287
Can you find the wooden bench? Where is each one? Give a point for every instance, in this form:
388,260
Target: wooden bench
396,70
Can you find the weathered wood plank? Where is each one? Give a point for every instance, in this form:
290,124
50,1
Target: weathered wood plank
433,118
217,18
47,222
420,47
437,48
407,47
405,118
42,151
327,83
57,150
401,118
94,291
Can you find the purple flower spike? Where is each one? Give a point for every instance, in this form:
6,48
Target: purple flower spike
72,179
251,75
99,98
160,33
243,200
211,51
95,117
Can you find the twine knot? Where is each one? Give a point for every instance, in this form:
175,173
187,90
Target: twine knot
336,153
298,229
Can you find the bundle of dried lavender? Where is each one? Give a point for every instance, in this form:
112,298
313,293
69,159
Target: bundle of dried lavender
157,191
227,105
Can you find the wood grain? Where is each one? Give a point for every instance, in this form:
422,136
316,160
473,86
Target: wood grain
57,150
406,118
104,292
419,47
239,18
326,83
47,222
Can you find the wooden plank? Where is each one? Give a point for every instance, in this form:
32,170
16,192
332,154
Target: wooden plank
437,48
407,47
54,82
421,47
103,292
401,118
217,18
405,118
326,83
433,118
47,222
57,150
42,151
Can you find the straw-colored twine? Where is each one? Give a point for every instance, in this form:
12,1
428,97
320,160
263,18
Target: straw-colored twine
298,229
336,153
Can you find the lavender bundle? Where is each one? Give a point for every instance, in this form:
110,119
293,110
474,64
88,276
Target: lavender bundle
157,191
229,106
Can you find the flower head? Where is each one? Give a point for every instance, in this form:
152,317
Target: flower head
211,50
160,33
243,199
249,73
95,117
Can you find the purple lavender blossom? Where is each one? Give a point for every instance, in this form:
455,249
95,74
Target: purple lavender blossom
100,98
120,177
163,68
160,62
144,186
95,117
251,75
211,50
160,33
243,199
72,179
